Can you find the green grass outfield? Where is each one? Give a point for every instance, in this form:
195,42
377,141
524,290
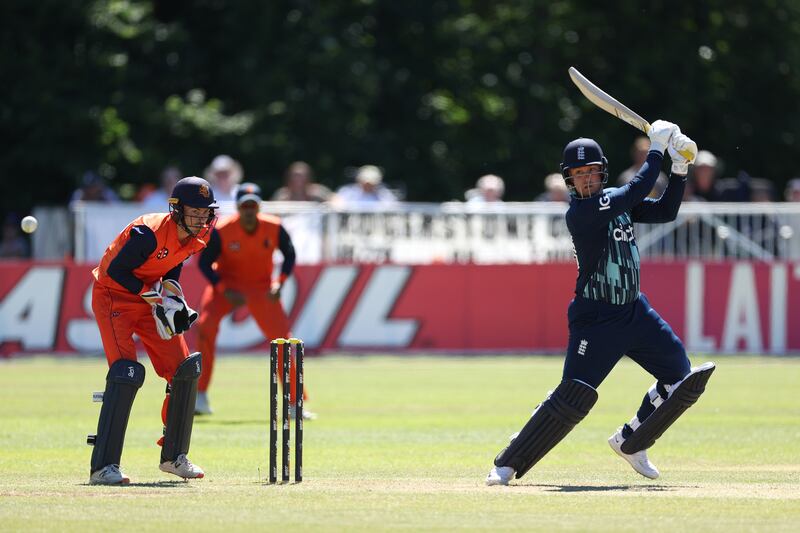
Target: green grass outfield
405,443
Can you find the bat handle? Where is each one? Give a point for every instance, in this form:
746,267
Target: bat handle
685,153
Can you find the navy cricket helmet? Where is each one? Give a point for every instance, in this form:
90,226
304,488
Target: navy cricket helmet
193,192
580,153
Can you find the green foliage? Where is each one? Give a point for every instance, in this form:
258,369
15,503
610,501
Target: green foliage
436,92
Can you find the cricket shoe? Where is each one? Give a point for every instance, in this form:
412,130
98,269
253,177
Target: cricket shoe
182,467
638,460
201,405
109,475
500,475
307,415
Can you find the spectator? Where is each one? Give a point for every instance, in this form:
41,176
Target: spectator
488,188
689,193
792,193
300,187
745,188
224,174
555,190
13,244
157,199
93,189
761,190
639,150
367,189
703,177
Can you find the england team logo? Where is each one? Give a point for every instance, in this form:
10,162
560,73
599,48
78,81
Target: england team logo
584,344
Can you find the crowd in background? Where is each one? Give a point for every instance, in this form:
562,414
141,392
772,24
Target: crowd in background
299,184
705,184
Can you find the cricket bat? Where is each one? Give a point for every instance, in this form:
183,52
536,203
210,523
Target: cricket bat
609,104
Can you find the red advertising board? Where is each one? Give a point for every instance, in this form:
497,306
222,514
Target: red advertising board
714,307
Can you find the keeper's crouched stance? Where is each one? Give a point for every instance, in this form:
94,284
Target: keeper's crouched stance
136,290
609,317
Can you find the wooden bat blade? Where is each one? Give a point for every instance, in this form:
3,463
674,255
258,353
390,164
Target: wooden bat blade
606,102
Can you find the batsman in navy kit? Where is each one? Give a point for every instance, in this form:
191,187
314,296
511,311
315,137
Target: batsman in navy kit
609,316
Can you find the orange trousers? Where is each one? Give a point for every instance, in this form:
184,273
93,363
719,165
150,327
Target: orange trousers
121,314
267,313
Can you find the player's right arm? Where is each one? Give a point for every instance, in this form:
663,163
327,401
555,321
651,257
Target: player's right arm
141,244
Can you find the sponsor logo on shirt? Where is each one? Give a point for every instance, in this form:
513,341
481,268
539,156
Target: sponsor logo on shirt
624,234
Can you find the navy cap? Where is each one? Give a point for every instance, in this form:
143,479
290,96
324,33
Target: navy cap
193,192
248,192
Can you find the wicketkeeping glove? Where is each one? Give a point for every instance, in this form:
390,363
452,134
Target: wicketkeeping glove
173,290
171,314
681,144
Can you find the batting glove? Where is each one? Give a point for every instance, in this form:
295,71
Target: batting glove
660,133
679,147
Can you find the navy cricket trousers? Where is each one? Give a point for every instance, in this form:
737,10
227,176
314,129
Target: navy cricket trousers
600,333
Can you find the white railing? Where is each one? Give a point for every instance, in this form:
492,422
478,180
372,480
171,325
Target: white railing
502,233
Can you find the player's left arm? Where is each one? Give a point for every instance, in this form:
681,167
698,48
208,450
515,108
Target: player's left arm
665,209
289,257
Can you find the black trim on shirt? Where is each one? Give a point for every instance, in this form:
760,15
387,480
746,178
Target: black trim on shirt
287,249
210,254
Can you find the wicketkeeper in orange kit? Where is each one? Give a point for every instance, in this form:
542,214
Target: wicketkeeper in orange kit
238,266
136,290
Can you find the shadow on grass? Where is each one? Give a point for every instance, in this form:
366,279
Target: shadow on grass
147,485
605,488
218,422
172,483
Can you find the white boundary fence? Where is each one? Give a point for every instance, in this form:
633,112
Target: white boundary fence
413,233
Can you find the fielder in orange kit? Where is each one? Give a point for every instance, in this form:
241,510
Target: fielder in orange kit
238,266
136,290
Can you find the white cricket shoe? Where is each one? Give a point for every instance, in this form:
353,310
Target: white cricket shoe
500,475
109,475
201,405
182,467
638,460
307,415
